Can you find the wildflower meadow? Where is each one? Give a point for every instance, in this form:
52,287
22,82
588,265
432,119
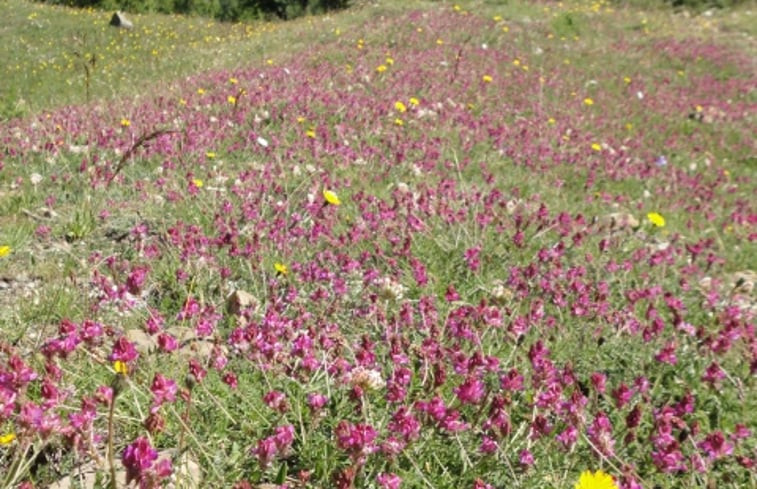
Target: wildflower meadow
406,245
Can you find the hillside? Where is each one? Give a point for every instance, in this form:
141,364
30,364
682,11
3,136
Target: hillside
406,245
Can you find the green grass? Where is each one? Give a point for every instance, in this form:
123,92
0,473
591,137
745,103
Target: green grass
50,51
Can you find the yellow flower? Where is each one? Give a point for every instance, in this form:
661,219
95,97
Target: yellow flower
200,91
400,107
596,147
233,81
439,42
399,122
210,155
331,197
182,101
627,80
516,62
597,480
300,119
231,99
269,62
487,79
551,120
7,438
280,268
5,251
497,18
414,101
588,101
381,68
120,367
656,219
310,133
456,8
197,182
125,122
389,61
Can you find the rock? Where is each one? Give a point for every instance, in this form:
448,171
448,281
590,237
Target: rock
618,221
120,20
239,300
143,342
742,282
186,474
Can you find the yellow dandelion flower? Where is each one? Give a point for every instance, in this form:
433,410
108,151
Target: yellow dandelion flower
7,438
120,367
439,42
505,29
497,18
516,62
656,219
487,79
627,80
269,62
331,197
389,61
596,147
399,122
280,268
182,101
381,68
400,107
300,119
310,133
231,99
210,155
456,8
200,91
699,108
596,480
414,101
233,81
125,122
197,183
551,121
5,251
588,101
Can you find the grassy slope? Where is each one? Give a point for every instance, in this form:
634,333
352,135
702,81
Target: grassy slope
568,43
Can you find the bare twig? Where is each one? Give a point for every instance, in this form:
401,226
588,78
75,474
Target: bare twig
134,147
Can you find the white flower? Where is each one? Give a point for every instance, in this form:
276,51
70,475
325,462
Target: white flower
390,289
366,379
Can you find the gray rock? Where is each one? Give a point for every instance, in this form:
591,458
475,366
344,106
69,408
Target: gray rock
120,20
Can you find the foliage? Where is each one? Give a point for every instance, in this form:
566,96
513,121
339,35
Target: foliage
419,245
225,10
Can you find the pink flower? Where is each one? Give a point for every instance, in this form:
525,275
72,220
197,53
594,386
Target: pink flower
123,350
357,439
716,446
389,481
471,391
138,458
526,458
